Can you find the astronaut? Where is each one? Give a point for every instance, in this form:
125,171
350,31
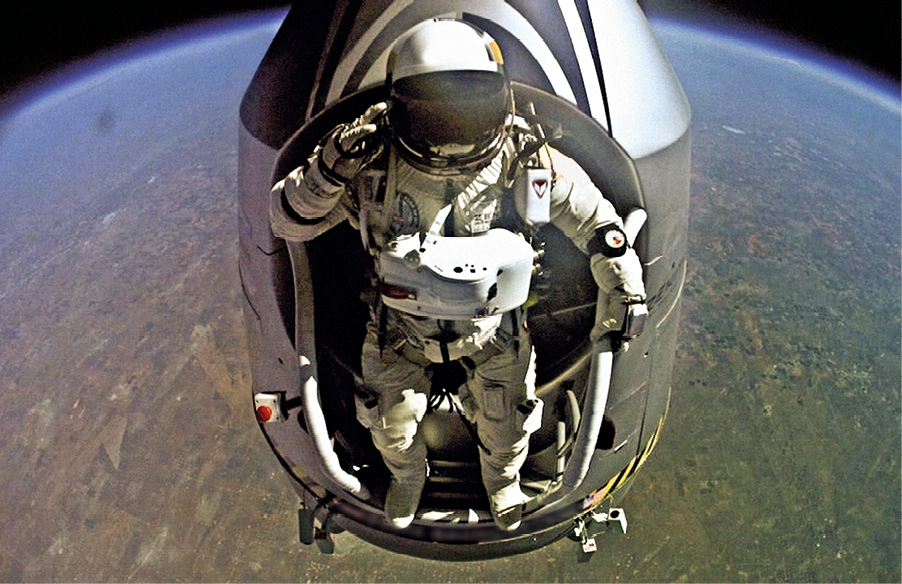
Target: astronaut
428,177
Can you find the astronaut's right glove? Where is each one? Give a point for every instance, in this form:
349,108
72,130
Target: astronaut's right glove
349,147
303,204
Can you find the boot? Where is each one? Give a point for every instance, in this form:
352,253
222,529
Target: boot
401,502
507,507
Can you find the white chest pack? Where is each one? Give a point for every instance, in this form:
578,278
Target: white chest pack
456,278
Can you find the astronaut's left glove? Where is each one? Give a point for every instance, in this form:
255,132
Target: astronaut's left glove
633,324
621,311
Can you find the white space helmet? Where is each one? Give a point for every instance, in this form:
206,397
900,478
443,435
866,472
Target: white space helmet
451,100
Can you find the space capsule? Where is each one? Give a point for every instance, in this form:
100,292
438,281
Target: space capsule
594,77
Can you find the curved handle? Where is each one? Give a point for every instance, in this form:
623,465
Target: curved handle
592,417
633,223
319,433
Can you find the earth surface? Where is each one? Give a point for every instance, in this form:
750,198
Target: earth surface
128,445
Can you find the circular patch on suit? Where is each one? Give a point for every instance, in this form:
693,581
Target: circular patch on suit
406,218
615,239
609,240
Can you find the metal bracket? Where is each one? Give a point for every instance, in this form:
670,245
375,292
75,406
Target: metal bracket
614,514
317,526
584,527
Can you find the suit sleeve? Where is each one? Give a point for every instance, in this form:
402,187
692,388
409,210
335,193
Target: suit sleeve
306,203
579,209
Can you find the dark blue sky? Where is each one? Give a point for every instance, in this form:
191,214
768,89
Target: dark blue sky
38,35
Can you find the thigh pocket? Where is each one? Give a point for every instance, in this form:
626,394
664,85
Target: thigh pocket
494,402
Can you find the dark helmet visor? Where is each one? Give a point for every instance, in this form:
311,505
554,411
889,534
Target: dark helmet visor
466,108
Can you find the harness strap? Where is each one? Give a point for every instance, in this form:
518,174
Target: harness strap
447,335
495,347
450,195
516,320
383,324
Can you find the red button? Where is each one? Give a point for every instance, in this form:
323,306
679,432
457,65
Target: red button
264,413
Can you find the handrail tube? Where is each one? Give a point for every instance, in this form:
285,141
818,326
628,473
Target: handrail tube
560,442
577,466
592,417
633,222
319,434
599,385
317,429
596,400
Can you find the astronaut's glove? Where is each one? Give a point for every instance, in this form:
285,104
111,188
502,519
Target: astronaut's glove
349,147
618,321
633,324
634,320
616,268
